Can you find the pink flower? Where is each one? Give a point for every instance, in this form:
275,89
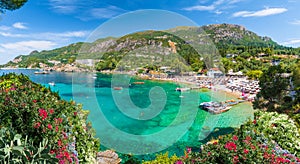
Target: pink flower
56,128
179,162
37,125
235,138
235,159
209,153
51,111
246,151
230,146
34,101
49,126
189,150
43,113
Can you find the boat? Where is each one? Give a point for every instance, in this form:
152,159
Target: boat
139,82
182,89
52,83
41,72
118,88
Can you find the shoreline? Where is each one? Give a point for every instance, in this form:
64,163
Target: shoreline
178,80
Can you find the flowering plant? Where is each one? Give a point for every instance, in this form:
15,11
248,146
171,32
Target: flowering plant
253,142
33,110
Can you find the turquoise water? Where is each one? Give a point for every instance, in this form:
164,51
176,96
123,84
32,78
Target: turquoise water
144,119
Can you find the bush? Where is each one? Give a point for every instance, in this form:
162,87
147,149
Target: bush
33,110
270,138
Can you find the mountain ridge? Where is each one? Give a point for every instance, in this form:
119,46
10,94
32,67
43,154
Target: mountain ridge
226,38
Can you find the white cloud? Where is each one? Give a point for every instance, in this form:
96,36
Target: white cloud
65,6
19,25
28,45
8,34
292,42
295,22
48,35
11,50
216,5
199,8
260,13
4,28
107,12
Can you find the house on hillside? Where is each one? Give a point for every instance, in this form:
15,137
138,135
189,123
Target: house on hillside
214,72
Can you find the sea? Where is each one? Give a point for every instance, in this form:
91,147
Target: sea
147,117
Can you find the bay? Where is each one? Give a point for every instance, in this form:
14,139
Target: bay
143,119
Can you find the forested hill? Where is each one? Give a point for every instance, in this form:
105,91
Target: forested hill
228,39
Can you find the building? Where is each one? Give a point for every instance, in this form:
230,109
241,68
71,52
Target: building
214,72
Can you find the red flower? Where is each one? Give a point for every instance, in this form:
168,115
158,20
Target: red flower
59,142
253,147
209,153
235,159
235,138
230,146
246,151
254,121
52,151
43,114
248,138
75,113
49,126
51,111
34,101
37,125
266,155
56,128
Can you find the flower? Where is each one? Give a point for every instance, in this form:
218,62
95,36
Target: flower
189,150
248,138
254,122
43,113
179,162
209,153
37,125
56,128
34,101
235,138
49,126
51,111
235,159
230,146
246,151
75,113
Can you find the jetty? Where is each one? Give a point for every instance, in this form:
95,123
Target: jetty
219,107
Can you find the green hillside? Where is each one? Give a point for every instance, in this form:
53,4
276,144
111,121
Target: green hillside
196,46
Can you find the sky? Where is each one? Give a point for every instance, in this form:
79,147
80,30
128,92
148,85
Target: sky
48,24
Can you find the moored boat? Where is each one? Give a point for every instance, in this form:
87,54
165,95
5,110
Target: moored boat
117,88
41,72
182,89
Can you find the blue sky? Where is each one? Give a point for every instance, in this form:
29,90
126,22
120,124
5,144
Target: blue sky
47,24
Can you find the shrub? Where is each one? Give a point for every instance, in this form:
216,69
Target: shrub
31,109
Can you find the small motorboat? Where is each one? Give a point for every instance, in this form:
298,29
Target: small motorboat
182,89
41,72
139,82
117,88
52,83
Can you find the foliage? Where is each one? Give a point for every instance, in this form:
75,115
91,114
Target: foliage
33,110
163,158
255,74
15,149
273,88
270,138
11,5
